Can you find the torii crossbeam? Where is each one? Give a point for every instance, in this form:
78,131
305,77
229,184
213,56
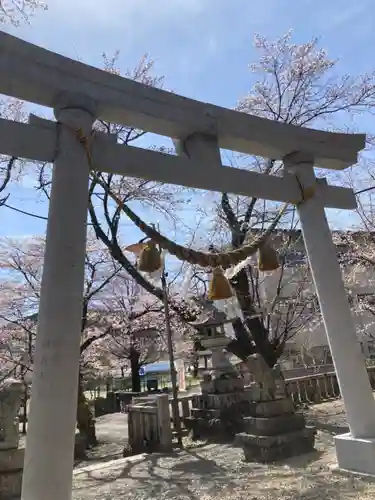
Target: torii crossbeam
79,94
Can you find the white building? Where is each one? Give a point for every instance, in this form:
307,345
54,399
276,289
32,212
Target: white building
309,344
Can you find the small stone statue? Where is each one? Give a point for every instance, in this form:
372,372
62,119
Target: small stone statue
264,376
10,401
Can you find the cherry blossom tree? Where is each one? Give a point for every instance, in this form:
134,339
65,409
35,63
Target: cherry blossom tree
21,264
137,338
356,250
151,197
12,169
296,84
17,11
14,12
138,334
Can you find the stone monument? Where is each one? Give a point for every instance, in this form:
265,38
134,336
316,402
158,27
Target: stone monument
11,457
217,412
272,430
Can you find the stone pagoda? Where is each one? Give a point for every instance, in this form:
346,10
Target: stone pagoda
223,396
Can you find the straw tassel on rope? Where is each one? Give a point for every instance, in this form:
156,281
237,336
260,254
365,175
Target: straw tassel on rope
268,259
149,256
220,287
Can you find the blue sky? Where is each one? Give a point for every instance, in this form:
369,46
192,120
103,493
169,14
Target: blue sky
203,47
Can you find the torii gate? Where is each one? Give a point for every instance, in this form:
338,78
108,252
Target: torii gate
79,94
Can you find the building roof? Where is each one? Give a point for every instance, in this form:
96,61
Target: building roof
210,316
160,367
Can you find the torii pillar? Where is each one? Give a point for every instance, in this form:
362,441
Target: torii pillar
53,407
355,450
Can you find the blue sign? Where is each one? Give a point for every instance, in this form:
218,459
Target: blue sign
141,371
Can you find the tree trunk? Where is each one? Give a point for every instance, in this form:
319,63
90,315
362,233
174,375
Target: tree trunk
24,407
196,367
258,340
85,419
205,362
135,365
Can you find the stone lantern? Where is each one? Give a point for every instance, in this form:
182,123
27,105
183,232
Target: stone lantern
210,325
217,412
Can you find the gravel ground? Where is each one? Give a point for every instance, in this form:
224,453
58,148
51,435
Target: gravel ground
210,472
112,434
218,472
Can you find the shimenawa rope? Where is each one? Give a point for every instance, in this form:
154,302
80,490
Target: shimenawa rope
203,259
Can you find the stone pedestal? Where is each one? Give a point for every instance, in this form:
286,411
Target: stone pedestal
355,455
217,413
274,432
11,469
11,458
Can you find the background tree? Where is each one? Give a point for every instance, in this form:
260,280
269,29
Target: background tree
13,12
140,334
297,84
149,197
137,338
356,251
21,265
17,11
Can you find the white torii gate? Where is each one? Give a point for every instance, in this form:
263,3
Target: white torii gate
79,94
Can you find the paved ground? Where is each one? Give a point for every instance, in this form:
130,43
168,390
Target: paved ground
112,434
112,427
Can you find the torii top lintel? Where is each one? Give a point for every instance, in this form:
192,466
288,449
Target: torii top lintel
34,74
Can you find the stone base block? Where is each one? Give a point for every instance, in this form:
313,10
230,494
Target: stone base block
11,460
219,401
355,455
222,385
205,413
11,467
80,447
215,429
267,449
10,484
273,426
274,408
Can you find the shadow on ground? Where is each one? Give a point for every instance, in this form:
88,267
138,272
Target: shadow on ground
175,475
192,475
209,472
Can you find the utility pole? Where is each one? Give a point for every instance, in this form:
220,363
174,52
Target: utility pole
172,368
